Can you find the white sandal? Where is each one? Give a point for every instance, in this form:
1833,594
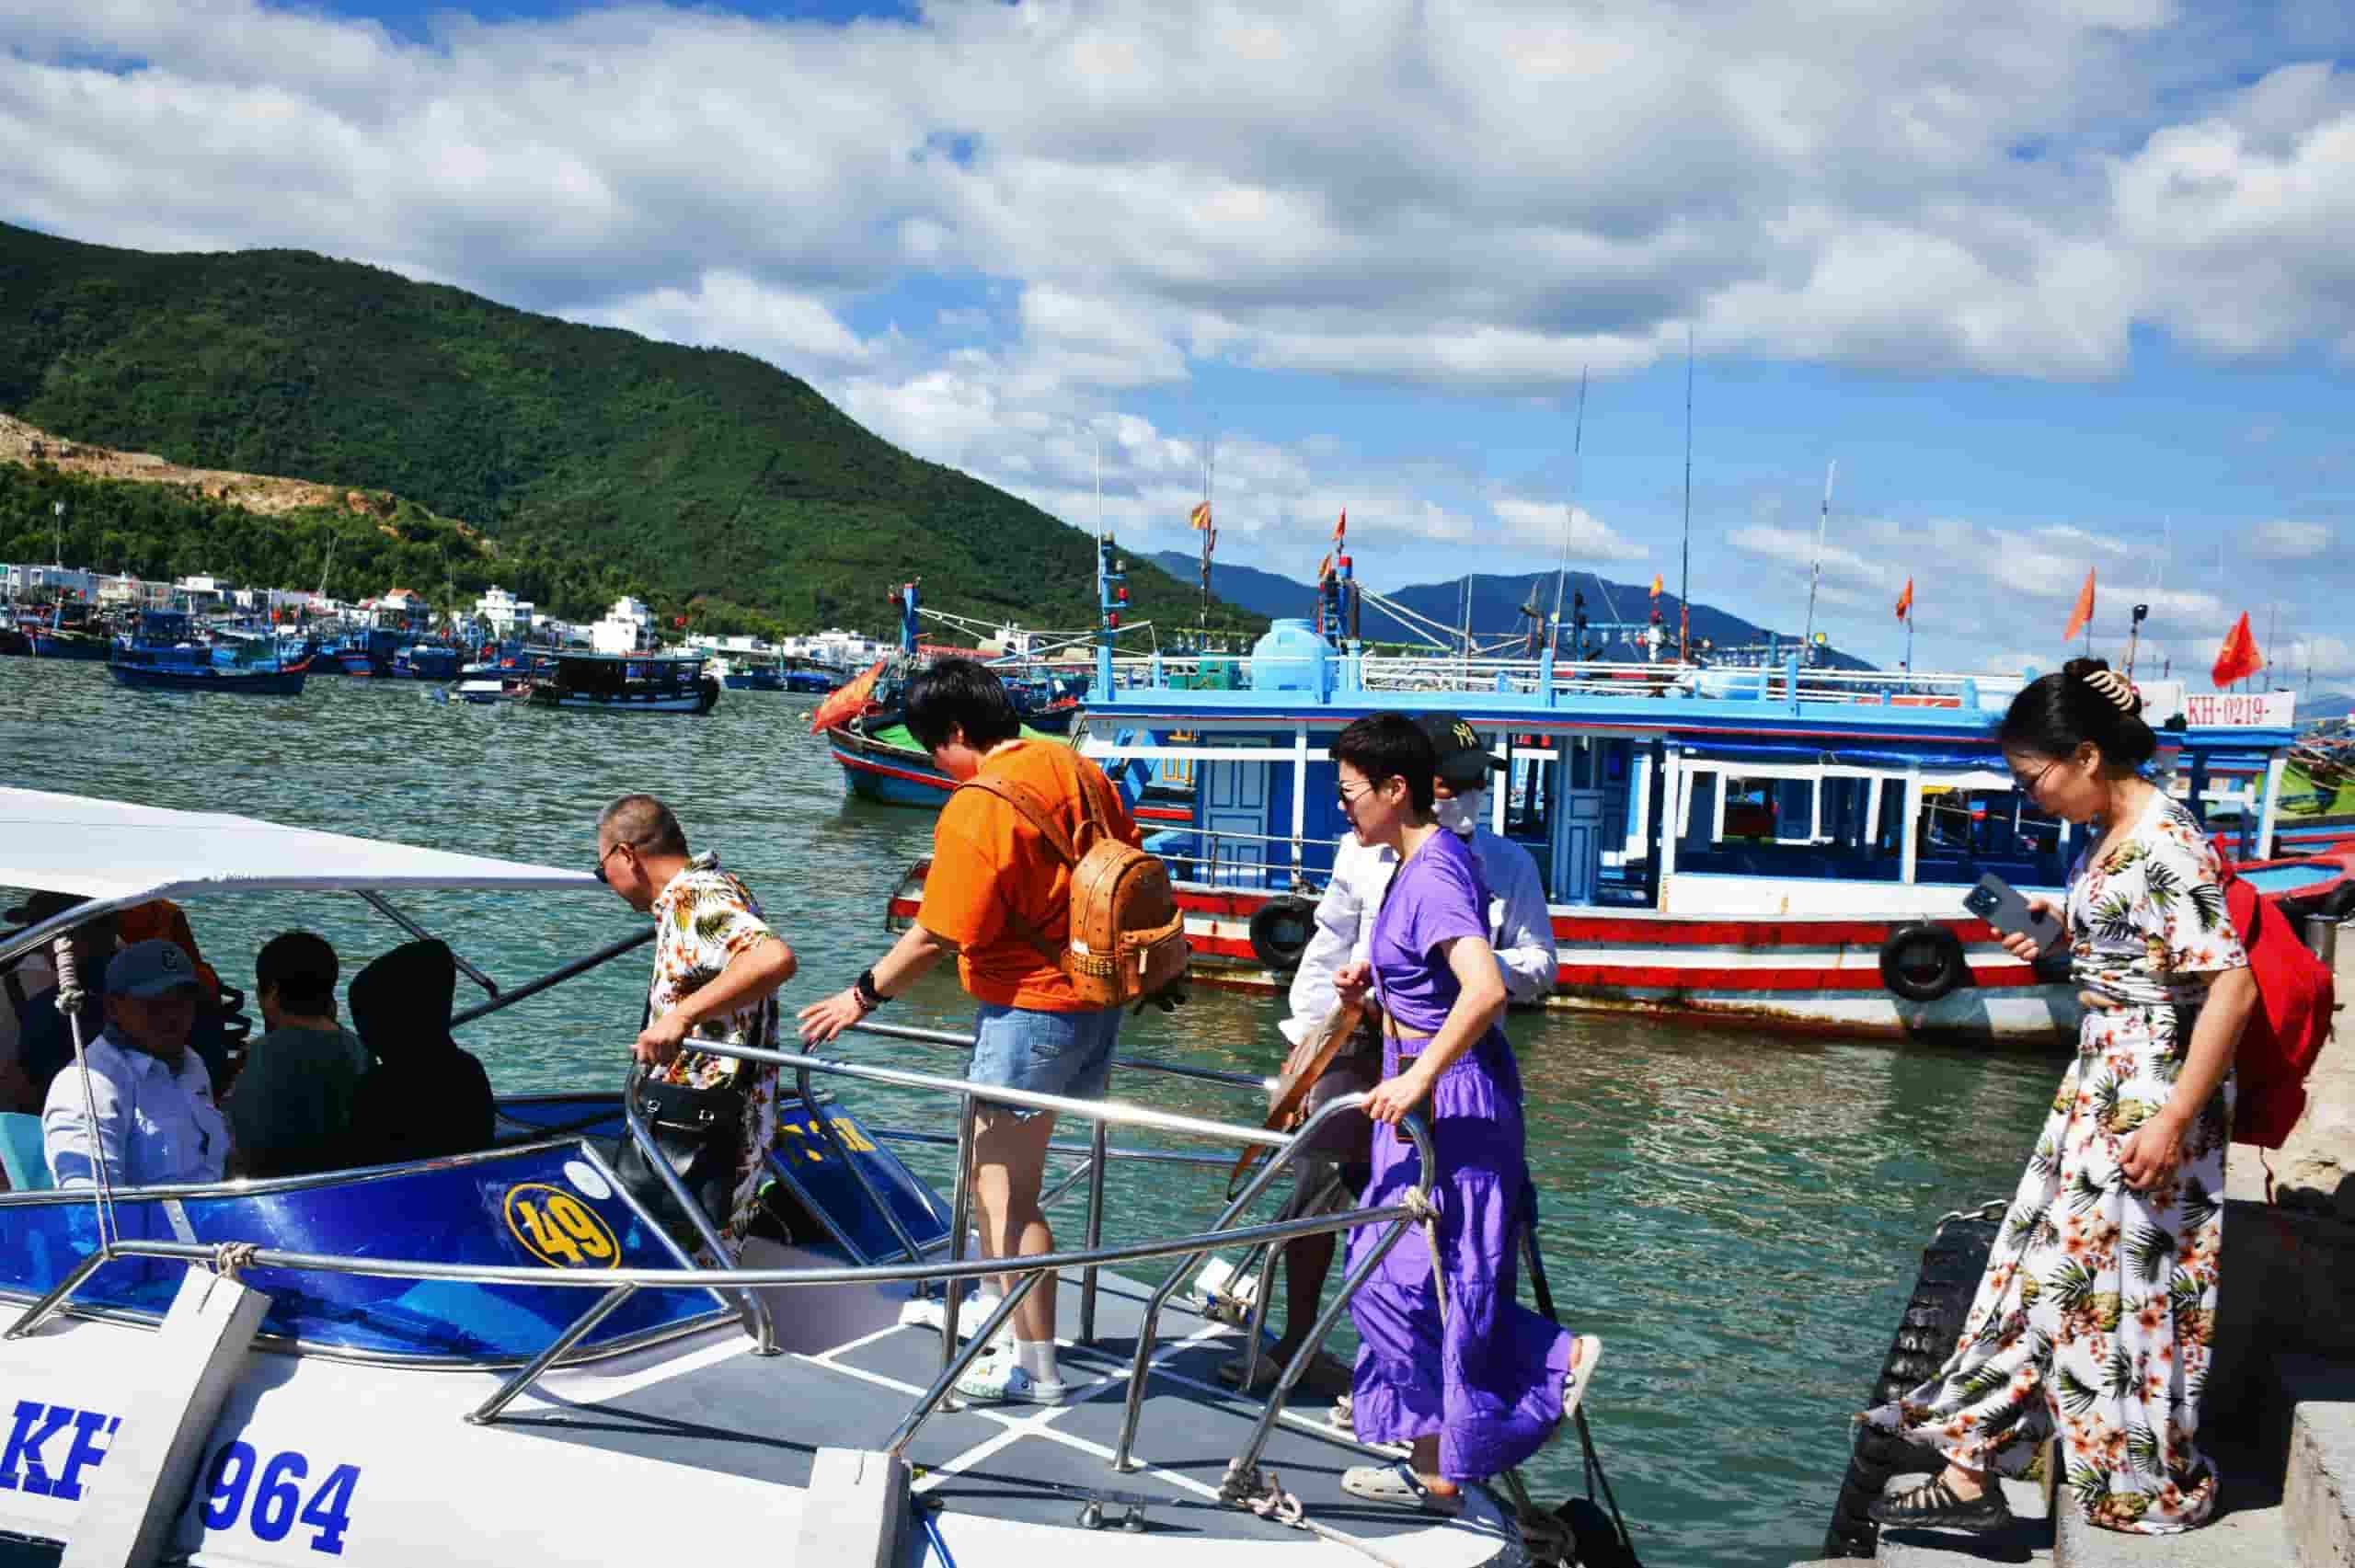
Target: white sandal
1398,1485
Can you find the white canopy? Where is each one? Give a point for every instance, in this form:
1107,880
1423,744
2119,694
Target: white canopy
122,853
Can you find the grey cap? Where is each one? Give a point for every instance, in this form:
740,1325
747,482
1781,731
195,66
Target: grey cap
150,968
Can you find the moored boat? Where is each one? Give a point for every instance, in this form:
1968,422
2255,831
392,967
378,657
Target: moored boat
668,683
161,655
1789,850
518,1326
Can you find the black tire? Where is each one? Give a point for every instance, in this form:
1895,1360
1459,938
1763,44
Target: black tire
1926,1337
1922,962
1280,932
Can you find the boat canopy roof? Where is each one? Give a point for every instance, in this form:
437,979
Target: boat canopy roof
122,854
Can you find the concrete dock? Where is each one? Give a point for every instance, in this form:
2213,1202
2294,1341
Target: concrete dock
2279,1419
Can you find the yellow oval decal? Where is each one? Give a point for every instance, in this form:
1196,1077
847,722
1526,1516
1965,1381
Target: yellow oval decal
558,1228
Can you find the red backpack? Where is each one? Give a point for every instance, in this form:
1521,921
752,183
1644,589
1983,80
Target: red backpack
2295,999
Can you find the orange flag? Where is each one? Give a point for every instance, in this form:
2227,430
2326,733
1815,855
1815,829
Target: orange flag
846,704
2238,658
1656,585
1199,516
1905,600
2082,616
1342,529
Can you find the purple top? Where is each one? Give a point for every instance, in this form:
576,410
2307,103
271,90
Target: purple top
1436,895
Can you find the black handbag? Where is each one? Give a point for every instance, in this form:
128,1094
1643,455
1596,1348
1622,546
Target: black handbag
699,1133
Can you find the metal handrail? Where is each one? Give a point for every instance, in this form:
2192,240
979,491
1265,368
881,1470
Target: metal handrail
758,1320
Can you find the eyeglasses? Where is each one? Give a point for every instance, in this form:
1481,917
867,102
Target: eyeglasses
2027,786
599,873
1349,801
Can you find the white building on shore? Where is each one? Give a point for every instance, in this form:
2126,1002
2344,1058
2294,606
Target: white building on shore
629,628
28,581
504,611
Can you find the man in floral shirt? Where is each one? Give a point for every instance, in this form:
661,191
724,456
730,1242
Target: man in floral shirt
716,971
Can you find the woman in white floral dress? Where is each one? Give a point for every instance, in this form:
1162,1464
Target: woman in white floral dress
2093,1321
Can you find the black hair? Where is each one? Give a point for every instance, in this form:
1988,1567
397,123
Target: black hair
303,967
960,693
1391,746
644,822
2085,702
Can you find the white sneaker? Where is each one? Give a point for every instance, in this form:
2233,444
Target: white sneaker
1002,1380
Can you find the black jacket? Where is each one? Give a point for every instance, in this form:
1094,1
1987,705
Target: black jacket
424,1097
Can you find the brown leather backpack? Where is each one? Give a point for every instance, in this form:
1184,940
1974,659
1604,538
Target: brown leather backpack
1126,935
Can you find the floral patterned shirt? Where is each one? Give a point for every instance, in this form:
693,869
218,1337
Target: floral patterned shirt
2148,924
704,918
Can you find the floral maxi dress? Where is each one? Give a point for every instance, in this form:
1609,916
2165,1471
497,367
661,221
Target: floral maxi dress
2093,1319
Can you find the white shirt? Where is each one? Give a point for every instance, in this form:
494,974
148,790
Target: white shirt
1521,927
156,1125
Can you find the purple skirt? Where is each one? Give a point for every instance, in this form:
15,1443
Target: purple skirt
1490,1385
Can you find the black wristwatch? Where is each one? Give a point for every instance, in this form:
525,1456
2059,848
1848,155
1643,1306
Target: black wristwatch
863,989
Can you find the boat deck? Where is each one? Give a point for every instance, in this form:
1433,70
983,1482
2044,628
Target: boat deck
764,1419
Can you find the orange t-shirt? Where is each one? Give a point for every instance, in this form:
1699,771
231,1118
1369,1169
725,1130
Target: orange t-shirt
995,879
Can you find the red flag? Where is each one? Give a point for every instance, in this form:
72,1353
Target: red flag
1342,529
2082,616
1199,516
1905,600
2238,658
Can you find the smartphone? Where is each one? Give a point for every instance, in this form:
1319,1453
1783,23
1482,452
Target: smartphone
2001,906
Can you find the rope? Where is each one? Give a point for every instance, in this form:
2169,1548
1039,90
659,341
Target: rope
1262,1492
232,1258
71,1000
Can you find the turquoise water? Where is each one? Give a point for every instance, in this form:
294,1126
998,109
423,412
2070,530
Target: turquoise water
1737,1214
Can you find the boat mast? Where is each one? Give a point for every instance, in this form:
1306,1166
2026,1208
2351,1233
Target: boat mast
326,566
1684,580
1210,526
1815,574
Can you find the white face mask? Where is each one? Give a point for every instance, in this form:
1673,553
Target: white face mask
1463,813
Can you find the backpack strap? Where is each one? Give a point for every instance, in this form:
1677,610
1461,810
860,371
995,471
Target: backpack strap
1057,840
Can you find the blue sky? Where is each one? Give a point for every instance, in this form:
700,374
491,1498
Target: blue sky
2053,283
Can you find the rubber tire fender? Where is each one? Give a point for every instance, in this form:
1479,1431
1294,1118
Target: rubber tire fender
1279,931
1926,1331
1903,971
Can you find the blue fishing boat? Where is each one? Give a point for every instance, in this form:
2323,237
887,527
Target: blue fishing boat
738,674
436,1360
163,654
67,629
1785,846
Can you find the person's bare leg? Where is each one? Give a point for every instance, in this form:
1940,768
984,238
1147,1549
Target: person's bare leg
1009,1163
1308,1260
1967,1484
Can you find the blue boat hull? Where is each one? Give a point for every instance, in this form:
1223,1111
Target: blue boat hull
190,678
50,645
889,775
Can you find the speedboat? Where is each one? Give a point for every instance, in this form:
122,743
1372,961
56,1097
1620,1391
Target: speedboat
500,1355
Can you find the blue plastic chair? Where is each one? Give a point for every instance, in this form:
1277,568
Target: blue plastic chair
20,1152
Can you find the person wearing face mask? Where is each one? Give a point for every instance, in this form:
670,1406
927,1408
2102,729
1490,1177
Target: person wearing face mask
1520,937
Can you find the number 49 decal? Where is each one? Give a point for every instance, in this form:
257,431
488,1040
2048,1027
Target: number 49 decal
276,1491
558,1228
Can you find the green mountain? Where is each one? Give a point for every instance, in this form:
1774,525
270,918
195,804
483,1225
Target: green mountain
704,479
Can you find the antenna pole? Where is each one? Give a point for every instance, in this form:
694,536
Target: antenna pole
1815,574
1685,580
1570,515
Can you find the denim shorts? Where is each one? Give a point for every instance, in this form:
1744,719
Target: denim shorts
1047,1053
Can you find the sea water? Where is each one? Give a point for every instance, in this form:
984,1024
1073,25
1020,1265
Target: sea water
1738,1213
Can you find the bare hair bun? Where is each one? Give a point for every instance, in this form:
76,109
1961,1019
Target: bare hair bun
2112,687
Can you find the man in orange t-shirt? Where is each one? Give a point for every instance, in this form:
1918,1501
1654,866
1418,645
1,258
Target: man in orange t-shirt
998,895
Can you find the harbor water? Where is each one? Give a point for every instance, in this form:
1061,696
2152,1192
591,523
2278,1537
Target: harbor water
1738,1214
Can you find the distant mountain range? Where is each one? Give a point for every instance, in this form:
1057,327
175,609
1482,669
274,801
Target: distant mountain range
2330,705
1615,610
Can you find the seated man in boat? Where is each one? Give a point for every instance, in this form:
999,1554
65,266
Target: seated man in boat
1521,932
999,896
290,1108
156,1119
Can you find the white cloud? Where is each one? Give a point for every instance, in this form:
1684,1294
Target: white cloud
2285,541
1536,527
1793,550
728,310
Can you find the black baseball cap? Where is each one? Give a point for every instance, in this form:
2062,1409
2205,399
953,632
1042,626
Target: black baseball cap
1464,763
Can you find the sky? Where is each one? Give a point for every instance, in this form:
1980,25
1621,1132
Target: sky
2057,285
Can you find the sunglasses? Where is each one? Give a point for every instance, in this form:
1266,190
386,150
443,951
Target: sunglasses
599,870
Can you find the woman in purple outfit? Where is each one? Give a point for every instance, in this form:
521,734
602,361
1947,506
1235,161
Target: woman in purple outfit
1482,1393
